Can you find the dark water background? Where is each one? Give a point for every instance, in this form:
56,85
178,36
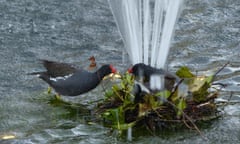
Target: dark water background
207,36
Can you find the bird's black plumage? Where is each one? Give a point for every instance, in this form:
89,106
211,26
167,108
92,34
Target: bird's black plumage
70,81
144,71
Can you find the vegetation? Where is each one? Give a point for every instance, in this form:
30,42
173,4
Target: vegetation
190,102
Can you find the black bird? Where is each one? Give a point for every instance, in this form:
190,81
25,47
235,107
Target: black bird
139,91
144,71
70,81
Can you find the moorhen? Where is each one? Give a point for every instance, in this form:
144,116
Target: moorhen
70,81
144,71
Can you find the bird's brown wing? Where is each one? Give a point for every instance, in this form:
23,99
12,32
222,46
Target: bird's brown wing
57,69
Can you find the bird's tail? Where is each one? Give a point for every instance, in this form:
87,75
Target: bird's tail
35,73
42,75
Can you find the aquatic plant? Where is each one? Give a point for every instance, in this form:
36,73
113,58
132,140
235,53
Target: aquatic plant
189,102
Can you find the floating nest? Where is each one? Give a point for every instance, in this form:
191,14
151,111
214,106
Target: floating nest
122,108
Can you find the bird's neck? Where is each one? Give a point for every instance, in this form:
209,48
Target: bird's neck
99,75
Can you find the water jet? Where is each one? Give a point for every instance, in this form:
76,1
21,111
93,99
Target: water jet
146,28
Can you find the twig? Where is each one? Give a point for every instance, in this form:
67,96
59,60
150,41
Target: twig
230,97
186,124
176,87
190,120
220,70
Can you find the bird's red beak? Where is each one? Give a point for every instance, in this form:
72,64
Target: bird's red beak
114,70
130,70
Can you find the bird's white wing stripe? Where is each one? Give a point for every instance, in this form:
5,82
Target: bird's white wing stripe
60,78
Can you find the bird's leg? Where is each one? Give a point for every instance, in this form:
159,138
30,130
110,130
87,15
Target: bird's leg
49,90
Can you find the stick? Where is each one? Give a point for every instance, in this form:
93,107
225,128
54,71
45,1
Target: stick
220,70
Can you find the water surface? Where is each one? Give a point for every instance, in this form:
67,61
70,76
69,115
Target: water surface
207,36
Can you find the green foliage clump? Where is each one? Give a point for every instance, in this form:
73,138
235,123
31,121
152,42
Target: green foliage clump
157,109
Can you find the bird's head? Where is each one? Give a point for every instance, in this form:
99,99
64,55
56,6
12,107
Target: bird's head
108,71
137,69
113,69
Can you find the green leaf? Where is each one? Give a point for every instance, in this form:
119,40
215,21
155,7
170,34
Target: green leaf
124,126
143,109
115,115
181,106
153,102
199,88
184,72
209,79
115,88
109,94
163,94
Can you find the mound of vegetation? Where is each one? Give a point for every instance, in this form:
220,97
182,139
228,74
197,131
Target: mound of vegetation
191,101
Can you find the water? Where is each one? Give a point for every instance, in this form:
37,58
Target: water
146,28
207,36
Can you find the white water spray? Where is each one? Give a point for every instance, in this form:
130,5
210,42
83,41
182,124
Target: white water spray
146,27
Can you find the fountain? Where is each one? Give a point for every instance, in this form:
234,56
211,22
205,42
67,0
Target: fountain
146,27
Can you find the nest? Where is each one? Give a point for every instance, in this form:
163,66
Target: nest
121,109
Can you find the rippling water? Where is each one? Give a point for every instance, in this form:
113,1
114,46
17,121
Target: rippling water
207,36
